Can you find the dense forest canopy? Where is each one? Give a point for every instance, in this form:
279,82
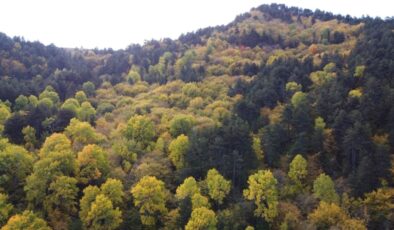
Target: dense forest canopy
282,119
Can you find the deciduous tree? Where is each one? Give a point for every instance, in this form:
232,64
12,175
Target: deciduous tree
150,196
263,191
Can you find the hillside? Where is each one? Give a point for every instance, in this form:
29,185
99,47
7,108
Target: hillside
282,119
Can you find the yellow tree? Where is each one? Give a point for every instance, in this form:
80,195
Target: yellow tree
26,221
5,209
93,164
202,219
178,149
328,215
188,188
150,196
218,186
263,191
102,215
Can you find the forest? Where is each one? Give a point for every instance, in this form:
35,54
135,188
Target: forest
281,119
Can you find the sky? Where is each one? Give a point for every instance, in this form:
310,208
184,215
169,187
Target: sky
119,23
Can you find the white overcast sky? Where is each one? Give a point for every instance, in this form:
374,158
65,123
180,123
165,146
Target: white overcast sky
118,23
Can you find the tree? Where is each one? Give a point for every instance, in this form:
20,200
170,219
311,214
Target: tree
5,209
188,188
298,171
29,135
71,104
26,221
218,186
141,131
331,215
379,206
81,97
61,201
82,132
202,219
5,113
184,67
263,191
56,159
257,148
21,103
113,189
50,94
199,201
89,88
89,196
181,124
150,196
102,215
86,112
177,150
93,164
323,189
298,99
15,166
57,142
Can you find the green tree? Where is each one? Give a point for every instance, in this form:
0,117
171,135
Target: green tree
61,201
81,97
102,215
93,164
89,88
112,190
26,221
21,103
177,150
29,135
298,99
50,94
71,104
323,189
298,171
202,219
150,196
15,166
82,133
140,131
89,196
5,209
218,186
56,159
263,191
184,67
181,124
86,112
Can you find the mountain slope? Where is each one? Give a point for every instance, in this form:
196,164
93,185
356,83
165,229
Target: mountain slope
293,108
